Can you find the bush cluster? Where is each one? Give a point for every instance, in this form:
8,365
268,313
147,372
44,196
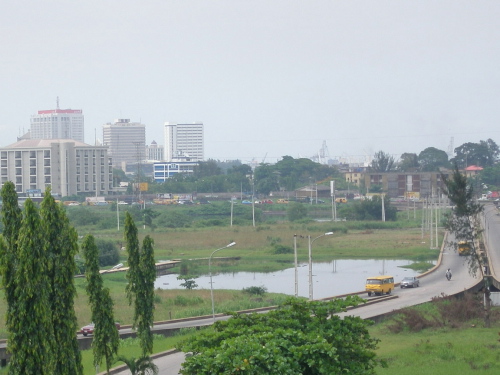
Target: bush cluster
449,311
255,290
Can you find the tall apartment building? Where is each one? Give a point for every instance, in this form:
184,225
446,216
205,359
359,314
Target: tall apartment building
126,141
154,152
57,124
69,167
184,140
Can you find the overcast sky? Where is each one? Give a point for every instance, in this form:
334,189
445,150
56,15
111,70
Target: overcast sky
267,78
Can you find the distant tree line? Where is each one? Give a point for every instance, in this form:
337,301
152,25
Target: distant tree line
289,173
484,154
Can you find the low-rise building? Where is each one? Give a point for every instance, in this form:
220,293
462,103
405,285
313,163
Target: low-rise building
405,184
70,167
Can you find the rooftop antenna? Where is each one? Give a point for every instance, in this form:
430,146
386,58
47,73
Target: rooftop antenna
57,103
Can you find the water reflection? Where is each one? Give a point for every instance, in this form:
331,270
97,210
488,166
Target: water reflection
329,279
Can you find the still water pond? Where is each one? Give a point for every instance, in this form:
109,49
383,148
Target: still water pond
329,279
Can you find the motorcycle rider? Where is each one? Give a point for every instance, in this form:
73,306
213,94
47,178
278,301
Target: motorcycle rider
448,274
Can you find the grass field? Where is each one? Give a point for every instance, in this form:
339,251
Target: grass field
256,244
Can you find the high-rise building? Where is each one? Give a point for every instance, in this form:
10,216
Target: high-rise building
57,124
126,141
69,167
154,152
184,140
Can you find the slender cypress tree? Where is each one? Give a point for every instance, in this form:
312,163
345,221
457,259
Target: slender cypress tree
144,302
31,336
106,339
132,244
11,220
61,242
463,222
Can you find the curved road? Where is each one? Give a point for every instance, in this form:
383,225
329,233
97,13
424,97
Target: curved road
432,285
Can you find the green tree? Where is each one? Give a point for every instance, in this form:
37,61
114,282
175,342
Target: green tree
297,338
141,366
61,246
105,342
119,176
206,169
149,215
382,162
11,220
371,209
188,283
296,211
132,246
431,159
463,222
108,252
408,162
144,302
31,338
484,154
491,175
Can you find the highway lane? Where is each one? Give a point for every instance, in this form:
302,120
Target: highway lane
433,284
491,225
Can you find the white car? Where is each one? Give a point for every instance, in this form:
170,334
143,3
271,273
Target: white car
410,281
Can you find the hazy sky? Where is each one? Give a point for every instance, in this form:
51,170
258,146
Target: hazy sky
267,78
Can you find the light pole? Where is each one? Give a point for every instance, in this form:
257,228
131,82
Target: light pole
310,263
210,271
296,273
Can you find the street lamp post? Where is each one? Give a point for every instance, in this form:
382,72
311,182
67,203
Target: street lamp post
295,259
310,263
210,271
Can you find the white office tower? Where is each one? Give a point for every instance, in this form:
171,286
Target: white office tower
154,152
126,141
57,124
184,141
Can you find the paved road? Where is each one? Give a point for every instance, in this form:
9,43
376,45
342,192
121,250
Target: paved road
431,285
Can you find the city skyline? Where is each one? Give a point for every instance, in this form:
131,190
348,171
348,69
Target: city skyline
267,79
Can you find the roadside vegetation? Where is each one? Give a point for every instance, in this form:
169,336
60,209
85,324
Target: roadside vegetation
445,336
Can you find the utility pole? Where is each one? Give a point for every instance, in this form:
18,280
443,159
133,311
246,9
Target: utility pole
138,159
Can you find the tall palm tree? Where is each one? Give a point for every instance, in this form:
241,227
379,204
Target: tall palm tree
141,366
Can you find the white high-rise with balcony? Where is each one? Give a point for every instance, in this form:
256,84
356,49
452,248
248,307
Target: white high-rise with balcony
184,141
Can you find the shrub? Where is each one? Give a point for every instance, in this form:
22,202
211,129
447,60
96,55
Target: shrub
450,311
458,310
108,252
186,301
296,211
282,249
255,290
413,320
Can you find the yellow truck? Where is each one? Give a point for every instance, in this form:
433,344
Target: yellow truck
463,248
